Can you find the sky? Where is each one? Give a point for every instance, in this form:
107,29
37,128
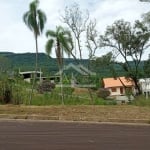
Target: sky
16,37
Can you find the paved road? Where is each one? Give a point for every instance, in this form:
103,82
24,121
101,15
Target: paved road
41,135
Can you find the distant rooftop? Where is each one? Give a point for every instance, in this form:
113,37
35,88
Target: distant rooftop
116,82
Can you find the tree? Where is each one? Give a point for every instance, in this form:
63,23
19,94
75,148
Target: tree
76,21
61,39
84,32
105,60
146,20
92,38
147,68
130,42
35,20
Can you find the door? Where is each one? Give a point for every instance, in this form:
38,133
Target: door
121,90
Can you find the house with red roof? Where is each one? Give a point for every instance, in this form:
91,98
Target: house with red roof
118,86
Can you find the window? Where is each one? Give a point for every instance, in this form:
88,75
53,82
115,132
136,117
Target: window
113,89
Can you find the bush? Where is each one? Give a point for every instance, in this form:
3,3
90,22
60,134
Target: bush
5,91
103,93
45,86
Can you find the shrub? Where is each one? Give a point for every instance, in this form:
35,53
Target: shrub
103,93
7,96
45,86
5,91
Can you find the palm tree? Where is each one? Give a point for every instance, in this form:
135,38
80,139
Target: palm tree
61,39
35,20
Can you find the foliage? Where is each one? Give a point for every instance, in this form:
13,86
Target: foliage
12,90
48,65
19,92
54,98
62,39
35,19
141,101
147,68
45,86
5,91
104,102
5,64
68,90
104,60
146,18
103,93
129,42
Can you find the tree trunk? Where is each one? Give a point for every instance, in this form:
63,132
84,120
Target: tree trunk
35,73
137,86
61,82
59,55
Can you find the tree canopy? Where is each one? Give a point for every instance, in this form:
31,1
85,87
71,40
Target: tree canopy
61,40
130,42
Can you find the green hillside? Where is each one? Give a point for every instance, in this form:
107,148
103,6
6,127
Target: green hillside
26,61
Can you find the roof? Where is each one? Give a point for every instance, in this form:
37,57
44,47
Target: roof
78,68
117,82
30,72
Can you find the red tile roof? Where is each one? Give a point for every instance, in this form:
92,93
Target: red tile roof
117,82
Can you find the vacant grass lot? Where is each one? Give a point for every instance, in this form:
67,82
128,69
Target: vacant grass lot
117,113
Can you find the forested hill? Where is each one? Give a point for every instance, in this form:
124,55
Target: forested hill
26,61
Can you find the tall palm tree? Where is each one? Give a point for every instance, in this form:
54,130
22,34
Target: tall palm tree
61,40
35,20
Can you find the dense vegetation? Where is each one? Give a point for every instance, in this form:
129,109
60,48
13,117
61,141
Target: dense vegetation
26,61
122,38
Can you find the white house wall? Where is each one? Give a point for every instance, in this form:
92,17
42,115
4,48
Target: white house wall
145,85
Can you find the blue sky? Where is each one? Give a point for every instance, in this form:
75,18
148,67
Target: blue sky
16,37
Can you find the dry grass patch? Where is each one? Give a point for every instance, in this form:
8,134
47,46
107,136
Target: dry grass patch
84,113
